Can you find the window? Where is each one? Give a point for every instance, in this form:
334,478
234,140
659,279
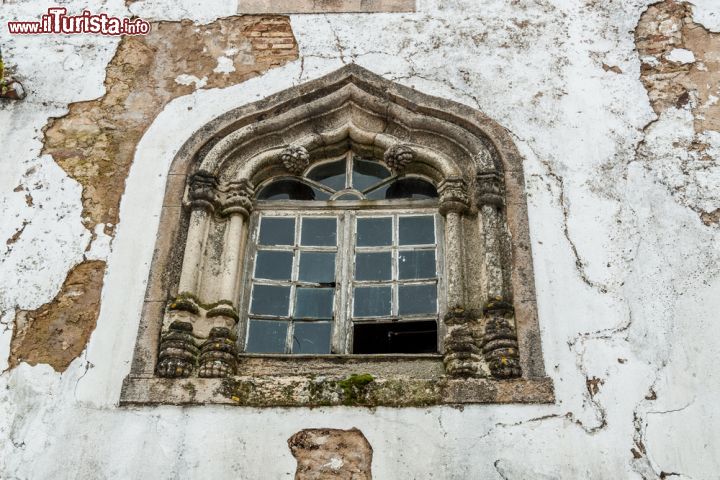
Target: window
348,241
347,273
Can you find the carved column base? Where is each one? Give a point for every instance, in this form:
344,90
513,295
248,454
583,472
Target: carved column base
500,345
218,354
462,356
178,351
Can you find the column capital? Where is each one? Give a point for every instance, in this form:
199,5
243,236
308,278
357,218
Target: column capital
238,198
202,191
490,189
454,196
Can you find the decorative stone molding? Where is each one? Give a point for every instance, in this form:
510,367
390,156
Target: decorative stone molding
454,196
441,141
178,351
462,356
399,156
500,345
218,354
295,158
490,189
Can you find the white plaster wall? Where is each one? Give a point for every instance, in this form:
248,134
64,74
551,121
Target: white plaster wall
627,276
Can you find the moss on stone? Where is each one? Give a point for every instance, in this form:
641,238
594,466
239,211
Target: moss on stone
355,388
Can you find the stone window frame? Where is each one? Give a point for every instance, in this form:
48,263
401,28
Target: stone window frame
491,346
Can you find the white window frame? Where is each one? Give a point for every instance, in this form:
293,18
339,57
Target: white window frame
346,212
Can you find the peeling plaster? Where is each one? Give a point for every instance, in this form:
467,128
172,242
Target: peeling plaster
626,271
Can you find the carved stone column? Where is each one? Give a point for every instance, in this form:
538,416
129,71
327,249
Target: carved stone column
178,345
454,204
500,346
218,356
462,356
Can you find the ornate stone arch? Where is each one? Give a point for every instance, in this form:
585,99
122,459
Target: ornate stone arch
490,326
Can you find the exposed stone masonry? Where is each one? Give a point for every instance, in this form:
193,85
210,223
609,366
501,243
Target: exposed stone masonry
95,142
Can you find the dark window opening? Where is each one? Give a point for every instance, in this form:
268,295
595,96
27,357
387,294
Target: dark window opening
397,337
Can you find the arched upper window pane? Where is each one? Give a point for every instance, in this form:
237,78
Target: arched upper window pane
365,174
407,188
331,174
291,190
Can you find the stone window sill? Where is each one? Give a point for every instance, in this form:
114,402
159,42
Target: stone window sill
358,380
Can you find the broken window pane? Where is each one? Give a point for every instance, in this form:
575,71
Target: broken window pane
396,337
266,336
314,303
270,300
372,301
317,267
331,174
366,174
417,230
373,232
277,231
417,299
311,337
373,266
291,190
319,231
416,264
273,265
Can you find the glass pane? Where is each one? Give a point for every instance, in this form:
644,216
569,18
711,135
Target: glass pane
291,190
319,231
349,196
277,231
366,174
317,267
373,266
372,301
266,336
414,299
311,337
273,265
416,264
314,303
270,300
378,193
372,232
331,174
417,230
411,188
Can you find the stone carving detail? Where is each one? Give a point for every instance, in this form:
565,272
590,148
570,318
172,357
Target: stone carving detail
218,354
202,191
453,194
462,356
398,156
178,351
238,198
490,189
500,345
295,158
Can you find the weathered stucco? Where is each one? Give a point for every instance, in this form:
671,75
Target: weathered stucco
621,176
